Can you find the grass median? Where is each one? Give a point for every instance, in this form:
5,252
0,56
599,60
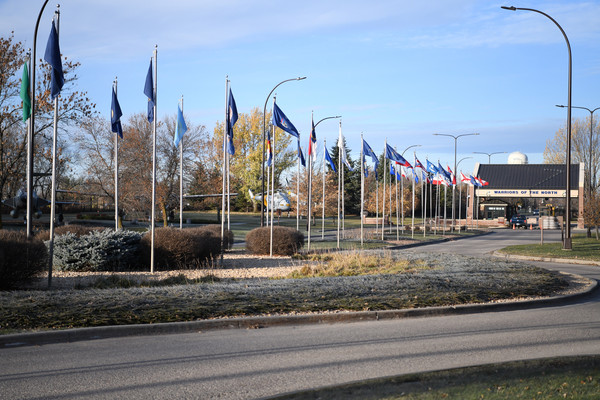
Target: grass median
583,249
413,280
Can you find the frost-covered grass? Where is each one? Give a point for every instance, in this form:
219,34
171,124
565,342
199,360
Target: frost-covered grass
441,280
583,248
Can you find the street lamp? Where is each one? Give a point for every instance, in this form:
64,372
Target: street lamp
455,137
489,154
567,243
262,208
460,192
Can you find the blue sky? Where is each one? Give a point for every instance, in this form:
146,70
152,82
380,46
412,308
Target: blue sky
393,69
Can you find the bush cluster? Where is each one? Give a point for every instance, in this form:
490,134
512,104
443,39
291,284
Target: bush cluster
77,230
99,250
216,229
20,258
286,241
181,248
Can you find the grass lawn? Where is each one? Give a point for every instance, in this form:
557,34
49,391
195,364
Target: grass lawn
583,248
555,378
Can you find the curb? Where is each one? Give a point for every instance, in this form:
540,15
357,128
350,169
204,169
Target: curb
118,331
545,259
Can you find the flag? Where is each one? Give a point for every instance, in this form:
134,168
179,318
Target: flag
481,181
431,168
463,178
368,151
474,181
180,128
25,93
280,120
452,176
444,173
149,92
269,152
328,158
342,152
52,56
391,154
418,164
232,117
399,175
392,171
115,115
313,138
301,156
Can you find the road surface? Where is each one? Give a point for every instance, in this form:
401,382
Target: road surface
255,363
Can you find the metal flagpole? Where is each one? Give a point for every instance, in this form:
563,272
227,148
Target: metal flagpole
227,122
362,187
224,172
343,193
115,84
56,21
385,172
181,175
402,197
424,201
397,206
390,196
445,205
377,203
323,198
339,188
272,202
413,198
298,187
309,194
459,183
154,157
265,195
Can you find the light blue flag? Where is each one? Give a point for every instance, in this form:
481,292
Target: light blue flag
180,129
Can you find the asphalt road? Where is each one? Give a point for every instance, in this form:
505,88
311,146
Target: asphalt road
255,363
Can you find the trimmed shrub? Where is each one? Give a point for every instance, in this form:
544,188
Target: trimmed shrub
100,250
209,241
20,258
77,230
180,248
286,241
216,230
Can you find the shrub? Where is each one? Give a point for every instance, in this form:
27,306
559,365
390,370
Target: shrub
286,241
77,230
20,258
100,250
216,229
180,248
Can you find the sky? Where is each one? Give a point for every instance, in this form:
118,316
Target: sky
399,71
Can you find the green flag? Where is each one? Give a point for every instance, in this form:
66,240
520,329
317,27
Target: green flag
25,93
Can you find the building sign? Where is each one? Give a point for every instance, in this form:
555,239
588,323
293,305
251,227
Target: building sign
524,193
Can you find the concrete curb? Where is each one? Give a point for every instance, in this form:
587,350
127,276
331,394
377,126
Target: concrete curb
106,332
545,259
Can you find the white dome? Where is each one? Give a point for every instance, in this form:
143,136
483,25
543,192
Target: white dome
517,157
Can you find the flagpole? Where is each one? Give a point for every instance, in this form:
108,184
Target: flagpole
459,183
115,84
362,187
224,171
298,187
309,195
272,184
339,188
56,21
227,122
385,172
402,197
154,125
323,198
390,196
377,202
424,201
343,185
413,198
265,195
181,175
445,205
397,206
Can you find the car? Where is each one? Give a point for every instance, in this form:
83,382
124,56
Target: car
518,221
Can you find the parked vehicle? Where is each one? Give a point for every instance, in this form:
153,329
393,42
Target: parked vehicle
518,221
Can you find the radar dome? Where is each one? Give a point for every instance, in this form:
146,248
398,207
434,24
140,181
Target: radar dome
517,157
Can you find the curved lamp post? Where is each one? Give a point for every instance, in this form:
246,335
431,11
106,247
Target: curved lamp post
455,137
262,208
487,154
591,164
567,243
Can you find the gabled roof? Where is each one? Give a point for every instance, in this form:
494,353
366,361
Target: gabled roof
528,176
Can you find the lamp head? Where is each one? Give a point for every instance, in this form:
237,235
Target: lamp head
560,105
300,78
511,8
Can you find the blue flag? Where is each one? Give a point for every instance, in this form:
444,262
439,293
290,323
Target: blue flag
232,117
180,128
269,152
52,56
301,155
115,115
392,171
280,120
328,158
149,92
391,154
445,173
431,168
